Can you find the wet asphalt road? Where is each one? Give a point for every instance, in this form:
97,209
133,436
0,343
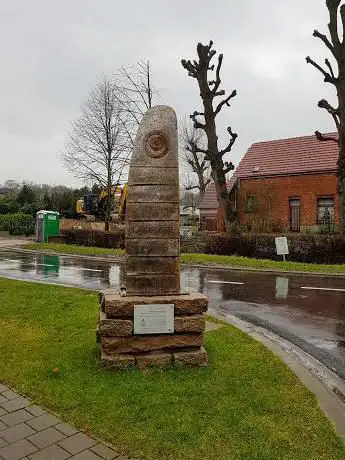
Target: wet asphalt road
309,311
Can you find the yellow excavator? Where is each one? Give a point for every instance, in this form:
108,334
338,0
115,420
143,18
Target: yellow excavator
92,206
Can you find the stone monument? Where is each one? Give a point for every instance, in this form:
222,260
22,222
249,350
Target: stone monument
151,322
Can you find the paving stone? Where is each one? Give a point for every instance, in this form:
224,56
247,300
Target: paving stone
16,417
3,388
52,452
17,432
3,399
2,426
104,452
2,443
9,394
46,437
66,429
77,443
15,404
36,410
17,450
42,422
85,455
2,412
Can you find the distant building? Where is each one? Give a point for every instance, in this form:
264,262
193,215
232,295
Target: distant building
281,185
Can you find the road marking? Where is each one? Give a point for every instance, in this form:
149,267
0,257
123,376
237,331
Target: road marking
224,282
311,288
82,268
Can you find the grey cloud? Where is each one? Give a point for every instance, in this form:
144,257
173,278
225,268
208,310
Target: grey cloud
53,52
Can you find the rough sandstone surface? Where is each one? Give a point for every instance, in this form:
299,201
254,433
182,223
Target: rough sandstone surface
191,358
194,323
117,361
114,327
153,199
153,360
116,306
141,343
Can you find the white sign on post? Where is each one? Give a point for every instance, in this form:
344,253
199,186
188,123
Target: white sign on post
282,246
154,319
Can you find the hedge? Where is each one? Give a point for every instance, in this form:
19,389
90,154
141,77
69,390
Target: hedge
312,248
98,238
17,224
329,249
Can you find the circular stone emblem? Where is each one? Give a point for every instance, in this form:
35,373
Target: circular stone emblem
157,145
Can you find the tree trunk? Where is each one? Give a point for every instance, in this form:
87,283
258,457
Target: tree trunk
341,133
341,179
109,200
224,202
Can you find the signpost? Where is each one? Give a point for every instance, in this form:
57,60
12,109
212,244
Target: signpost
154,319
282,246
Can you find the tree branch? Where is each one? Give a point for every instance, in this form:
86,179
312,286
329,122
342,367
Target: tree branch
192,71
233,137
218,80
323,104
325,40
225,102
328,64
323,138
327,77
333,6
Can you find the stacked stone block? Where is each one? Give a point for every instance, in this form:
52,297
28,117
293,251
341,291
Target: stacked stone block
121,348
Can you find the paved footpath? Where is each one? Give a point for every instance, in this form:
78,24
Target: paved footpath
29,432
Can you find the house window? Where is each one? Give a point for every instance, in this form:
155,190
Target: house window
295,214
325,211
251,204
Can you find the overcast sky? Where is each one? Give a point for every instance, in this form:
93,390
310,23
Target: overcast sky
53,51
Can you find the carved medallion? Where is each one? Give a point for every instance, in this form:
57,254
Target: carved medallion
156,145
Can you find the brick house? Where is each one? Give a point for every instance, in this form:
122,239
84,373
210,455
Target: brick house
281,185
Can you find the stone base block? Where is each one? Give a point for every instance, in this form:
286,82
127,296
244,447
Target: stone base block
116,306
117,361
121,348
114,327
153,360
191,358
193,323
143,343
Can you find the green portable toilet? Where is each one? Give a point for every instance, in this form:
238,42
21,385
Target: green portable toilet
47,224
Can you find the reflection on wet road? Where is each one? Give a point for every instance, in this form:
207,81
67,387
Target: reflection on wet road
310,311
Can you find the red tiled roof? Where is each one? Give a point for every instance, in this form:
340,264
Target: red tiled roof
298,155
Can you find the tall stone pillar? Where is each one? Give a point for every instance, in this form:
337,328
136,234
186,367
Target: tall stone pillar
154,324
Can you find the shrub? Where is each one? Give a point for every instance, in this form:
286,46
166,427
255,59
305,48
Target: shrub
8,206
303,247
98,238
17,224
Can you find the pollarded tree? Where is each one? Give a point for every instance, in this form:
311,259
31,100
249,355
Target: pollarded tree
335,75
209,92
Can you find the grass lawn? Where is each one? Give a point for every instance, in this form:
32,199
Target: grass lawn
245,405
206,259
74,249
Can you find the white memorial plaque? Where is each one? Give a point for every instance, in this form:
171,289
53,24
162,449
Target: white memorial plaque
282,245
154,319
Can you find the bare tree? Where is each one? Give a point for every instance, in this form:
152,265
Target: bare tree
335,43
192,140
136,94
209,91
97,146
